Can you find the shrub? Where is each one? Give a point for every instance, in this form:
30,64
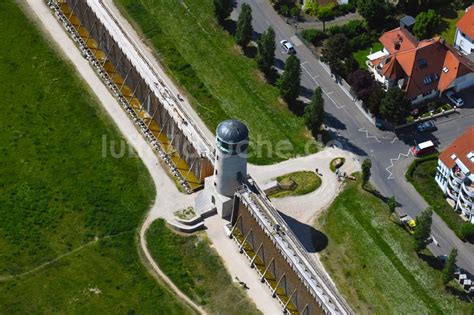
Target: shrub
314,36
467,231
351,29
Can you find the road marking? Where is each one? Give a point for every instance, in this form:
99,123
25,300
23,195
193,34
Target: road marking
390,168
363,130
317,83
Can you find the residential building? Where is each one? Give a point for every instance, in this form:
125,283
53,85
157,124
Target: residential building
455,173
422,69
464,38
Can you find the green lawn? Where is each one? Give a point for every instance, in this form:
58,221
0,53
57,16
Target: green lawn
421,174
372,260
223,82
449,33
197,270
58,193
361,55
306,182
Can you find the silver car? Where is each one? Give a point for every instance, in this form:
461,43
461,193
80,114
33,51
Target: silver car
455,99
288,47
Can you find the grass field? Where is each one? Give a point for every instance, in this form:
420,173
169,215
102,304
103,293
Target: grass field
197,270
58,193
373,262
450,31
361,55
306,182
422,176
223,82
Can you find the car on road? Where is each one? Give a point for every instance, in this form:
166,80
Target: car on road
426,126
288,47
455,99
423,148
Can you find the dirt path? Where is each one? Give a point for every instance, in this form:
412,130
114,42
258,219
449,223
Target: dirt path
163,184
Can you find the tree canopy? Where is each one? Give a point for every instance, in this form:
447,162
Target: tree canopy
314,111
366,166
222,9
289,82
373,11
324,14
423,229
244,31
334,52
266,51
426,24
394,106
450,266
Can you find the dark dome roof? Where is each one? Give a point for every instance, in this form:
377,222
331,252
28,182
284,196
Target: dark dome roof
232,131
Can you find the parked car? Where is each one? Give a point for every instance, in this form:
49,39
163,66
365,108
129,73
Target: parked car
455,99
288,47
426,126
423,148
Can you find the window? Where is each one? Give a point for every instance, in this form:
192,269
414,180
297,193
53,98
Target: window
422,63
445,69
213,200
427,80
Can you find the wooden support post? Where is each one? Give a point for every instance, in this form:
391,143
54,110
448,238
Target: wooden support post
289,299
277,284
241,247
306,308
72,10
107,53
255,256
152,116
125,79
266,269
89,33
235,225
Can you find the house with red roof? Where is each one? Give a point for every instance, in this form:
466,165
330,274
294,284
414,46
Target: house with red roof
422,69
455,173
464,38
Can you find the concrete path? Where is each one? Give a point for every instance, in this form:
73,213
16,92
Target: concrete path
305,208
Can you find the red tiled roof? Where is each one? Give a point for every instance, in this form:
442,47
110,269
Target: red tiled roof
399,35
422,65
466,23
461,147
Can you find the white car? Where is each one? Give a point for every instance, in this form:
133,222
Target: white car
455,99
288,47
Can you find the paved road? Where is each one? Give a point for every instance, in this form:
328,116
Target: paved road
356,134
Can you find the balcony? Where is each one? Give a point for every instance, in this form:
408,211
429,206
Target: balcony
451,193
467,199
466,210
454,185
457,175
469,190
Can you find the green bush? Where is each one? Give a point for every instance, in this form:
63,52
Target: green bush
351,29
467,231
314,36
343,9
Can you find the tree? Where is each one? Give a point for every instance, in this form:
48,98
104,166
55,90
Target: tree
335,51
373,101
366,166
373,11
423,229
450,266
467,231
244,31
426,24
266,51
361,83
314,111
289,82
222,9
394,107
392,204
324,14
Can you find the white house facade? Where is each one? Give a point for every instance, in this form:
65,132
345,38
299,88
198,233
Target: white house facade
464,38
455,174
